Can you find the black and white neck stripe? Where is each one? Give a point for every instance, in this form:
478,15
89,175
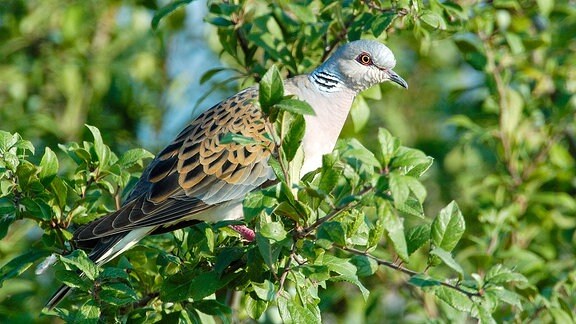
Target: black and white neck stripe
326,81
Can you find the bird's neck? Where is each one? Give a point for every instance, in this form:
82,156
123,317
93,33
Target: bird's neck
327,82
331,102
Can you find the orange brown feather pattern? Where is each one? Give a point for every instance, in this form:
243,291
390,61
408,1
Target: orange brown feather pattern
195,172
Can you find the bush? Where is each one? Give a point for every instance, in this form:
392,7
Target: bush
495,108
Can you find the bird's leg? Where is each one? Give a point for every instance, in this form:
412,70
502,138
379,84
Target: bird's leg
244,231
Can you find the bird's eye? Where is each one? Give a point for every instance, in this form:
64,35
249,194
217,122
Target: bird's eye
364,59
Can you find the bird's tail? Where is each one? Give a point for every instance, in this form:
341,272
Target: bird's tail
58,297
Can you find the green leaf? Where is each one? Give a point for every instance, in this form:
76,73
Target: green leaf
78,260
332,231
359,113
227,256
506,296
484,313
237,138
71,279
256,202
511,111
417,188
89,313
212,307
561,316
346,270
7,141
59,188
545,6
394,227
38,209
24,145
191,284
354,151
277,168
265,291
219,21
117,294
76,153
291,312
381,23
448,227
18,265
210,73
399,188
376,233
417,236
411,162
515,43
269,251
293,127
499,274
365,266
296,106
423,281
389,145
8,217
255,307
101,149
446,257
339,265
330,173
433,19
454,298
167,10
274,231
48,166
111,273
134,156
271,89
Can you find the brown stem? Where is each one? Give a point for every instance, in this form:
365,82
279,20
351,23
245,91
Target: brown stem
286,270
335,212
339,38
407,271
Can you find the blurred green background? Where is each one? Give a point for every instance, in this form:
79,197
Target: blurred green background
491,98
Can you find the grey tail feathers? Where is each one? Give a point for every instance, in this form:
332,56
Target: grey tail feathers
58,297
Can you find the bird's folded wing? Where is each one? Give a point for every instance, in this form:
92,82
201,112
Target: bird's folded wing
196,171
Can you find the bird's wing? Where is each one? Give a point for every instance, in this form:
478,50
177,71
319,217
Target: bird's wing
195,172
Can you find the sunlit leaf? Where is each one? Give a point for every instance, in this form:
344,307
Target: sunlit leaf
49,166
447,258
167,10
448,227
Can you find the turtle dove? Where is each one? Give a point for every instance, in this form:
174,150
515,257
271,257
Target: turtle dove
197,178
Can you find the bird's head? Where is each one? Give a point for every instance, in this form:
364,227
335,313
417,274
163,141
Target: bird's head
361,64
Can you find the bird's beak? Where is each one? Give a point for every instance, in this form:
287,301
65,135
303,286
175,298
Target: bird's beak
397,79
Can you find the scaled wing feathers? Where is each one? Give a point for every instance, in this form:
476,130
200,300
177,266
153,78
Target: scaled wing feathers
195,172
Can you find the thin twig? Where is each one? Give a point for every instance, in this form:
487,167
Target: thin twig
286,269
335,212
339,38
407,271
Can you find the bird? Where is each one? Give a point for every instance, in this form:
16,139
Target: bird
196,178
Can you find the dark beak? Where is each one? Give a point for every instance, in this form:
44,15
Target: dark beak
397,79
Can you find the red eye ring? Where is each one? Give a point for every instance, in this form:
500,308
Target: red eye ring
364,59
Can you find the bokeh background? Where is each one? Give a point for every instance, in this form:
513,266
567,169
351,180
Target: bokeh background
491,98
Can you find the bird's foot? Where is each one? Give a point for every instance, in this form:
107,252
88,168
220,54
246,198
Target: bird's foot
244,231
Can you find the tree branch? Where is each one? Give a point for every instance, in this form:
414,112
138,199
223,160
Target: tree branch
407,271
335,212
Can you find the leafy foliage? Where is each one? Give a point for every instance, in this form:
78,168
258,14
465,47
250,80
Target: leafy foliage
491,100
